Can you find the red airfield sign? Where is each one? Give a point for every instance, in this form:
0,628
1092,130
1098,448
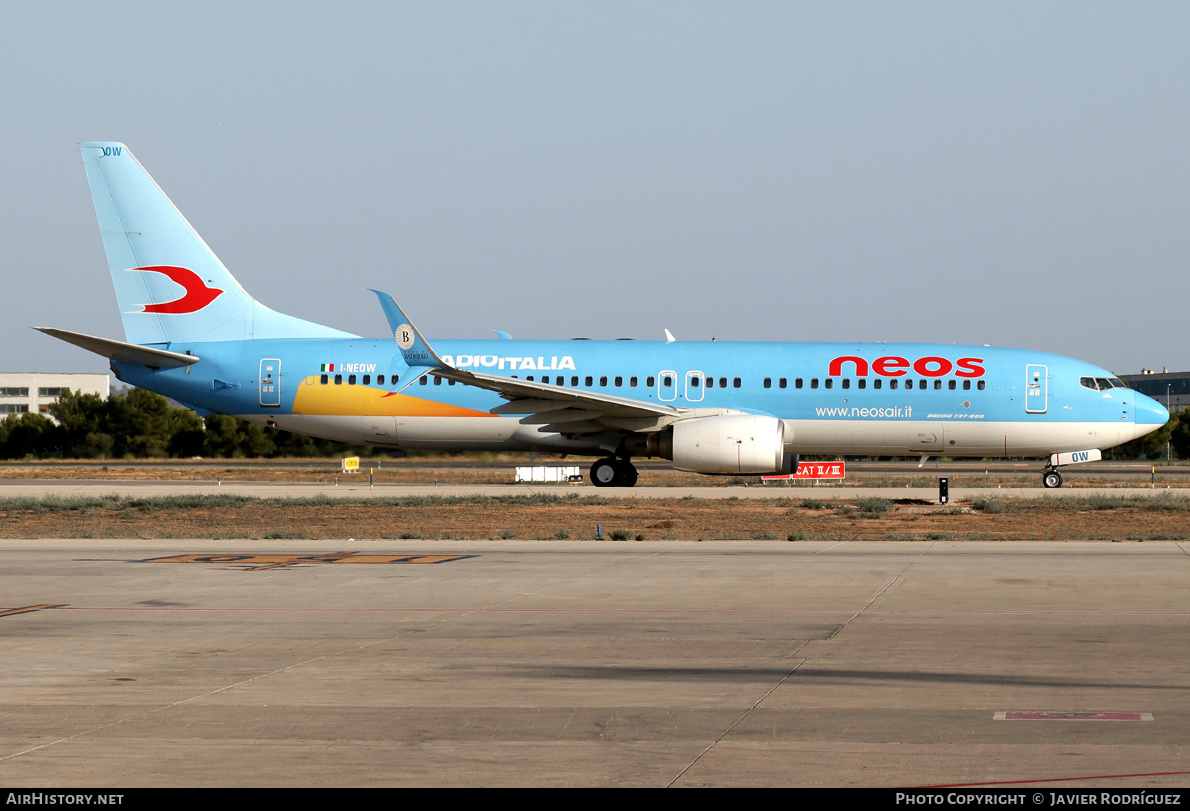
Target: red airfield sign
811,470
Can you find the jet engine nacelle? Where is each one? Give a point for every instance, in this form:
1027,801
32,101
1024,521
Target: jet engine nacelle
735,443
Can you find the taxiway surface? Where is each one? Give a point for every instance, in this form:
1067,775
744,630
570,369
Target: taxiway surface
585,663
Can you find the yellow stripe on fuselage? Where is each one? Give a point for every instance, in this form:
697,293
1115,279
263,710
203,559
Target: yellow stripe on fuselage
313,397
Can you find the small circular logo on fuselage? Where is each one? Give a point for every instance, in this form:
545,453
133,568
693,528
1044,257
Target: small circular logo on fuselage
404,336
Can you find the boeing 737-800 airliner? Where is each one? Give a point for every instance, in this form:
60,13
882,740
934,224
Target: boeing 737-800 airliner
193,334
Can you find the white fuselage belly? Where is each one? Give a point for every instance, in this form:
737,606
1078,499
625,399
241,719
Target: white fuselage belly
945,438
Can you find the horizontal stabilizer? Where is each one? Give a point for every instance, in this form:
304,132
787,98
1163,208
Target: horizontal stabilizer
122,352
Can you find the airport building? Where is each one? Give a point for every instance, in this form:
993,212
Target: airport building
1171,389
35,392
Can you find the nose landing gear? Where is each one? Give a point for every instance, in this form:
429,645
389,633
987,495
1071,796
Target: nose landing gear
613,473
1051,478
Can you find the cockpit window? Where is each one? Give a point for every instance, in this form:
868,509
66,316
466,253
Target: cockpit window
1102,383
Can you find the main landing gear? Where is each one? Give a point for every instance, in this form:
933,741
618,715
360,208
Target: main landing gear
1051,478
613,473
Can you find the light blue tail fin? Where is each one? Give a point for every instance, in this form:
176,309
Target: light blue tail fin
170,286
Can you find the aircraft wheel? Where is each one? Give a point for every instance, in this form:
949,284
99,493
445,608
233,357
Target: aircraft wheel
1051,479
627,474
604,473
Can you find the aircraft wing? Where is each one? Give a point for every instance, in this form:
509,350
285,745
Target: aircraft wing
557,408
565,410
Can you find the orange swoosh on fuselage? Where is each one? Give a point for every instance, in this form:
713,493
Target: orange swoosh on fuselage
313,397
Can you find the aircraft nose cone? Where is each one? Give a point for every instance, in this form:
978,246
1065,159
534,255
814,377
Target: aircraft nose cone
1150,412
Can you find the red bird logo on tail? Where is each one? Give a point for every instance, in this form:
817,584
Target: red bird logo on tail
198,295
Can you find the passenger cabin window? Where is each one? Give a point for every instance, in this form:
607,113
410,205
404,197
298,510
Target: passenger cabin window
736,382
367,380
723,382
603,380
892,384
877,383
338,380
797,382
574,380
862,383
847,382
950,384
619,382
782,383
829,382
813,382
981,385
966,385
632,382
589,381
650,382
325,380
768,382
350,380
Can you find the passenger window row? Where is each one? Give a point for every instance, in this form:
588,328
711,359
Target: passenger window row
667,381
893,383
367,380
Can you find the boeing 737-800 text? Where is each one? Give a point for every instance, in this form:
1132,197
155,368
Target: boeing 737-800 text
194,334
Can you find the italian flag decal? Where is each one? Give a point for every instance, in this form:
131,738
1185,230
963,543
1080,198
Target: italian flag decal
328,367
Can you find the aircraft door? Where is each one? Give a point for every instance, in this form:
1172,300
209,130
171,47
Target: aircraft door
270,382
1036,388
667,386
694,387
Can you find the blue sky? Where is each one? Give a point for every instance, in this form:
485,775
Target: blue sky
1005,173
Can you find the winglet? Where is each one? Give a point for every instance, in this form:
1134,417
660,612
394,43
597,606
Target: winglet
413,346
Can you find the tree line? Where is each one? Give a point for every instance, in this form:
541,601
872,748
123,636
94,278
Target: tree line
139,424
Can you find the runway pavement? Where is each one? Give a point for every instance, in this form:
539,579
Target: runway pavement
579,663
